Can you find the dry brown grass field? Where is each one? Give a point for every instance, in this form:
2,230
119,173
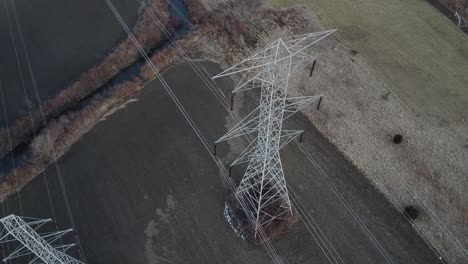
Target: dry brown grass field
408,76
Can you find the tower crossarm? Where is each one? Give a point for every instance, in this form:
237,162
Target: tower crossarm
246,126
247,83
252,149
288,136
264,58
54,236
252,64
300,60
299,43
295,104
247,154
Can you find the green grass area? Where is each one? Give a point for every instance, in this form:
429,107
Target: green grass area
419,52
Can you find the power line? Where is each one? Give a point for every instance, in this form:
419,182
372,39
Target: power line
36,92
265,241
305,217
308,218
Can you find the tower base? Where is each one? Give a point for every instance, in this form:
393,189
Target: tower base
237,219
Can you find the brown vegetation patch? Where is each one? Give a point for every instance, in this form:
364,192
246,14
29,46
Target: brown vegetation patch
146,32
62,132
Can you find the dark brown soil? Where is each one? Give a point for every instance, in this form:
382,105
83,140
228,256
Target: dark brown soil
275,230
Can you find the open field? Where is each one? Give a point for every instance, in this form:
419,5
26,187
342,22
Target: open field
143,189
128,178
407,76
420,53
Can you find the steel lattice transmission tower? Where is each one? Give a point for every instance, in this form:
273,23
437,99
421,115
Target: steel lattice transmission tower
263,186
43,246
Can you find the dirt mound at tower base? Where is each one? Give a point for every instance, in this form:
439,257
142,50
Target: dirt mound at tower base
238,220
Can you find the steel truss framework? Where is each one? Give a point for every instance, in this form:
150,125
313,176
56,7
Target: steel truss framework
43,246
263,187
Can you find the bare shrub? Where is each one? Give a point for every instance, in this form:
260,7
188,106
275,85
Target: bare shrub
146,32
